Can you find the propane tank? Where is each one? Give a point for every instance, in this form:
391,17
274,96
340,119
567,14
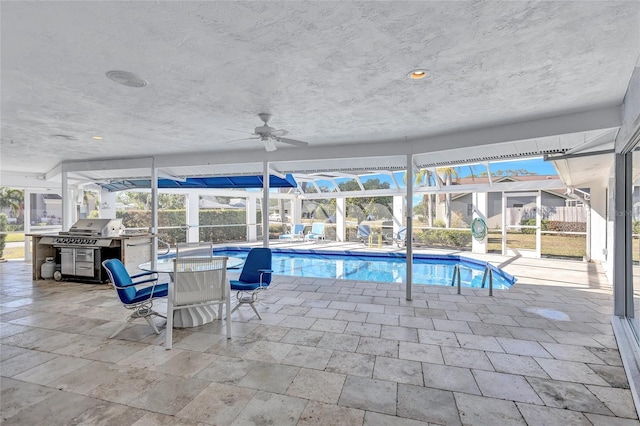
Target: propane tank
48,268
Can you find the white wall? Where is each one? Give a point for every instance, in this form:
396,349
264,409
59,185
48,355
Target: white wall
599,225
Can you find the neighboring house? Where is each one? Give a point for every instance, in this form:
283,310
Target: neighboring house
555,204
46,208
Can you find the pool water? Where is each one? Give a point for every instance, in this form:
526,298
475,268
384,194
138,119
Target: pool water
380,267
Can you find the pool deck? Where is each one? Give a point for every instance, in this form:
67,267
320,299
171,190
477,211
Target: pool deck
326,352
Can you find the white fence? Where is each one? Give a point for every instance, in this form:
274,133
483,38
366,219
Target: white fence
515,215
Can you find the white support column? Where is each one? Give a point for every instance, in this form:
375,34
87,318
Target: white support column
597,223
296,210
539,224
107,204
252,210
409,244
341,219
27,224
504,224
398,213
67,197
480,207
193,216
265,206
154,214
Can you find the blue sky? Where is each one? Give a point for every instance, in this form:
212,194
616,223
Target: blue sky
536,165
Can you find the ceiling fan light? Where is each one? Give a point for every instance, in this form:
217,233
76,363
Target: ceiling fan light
269,145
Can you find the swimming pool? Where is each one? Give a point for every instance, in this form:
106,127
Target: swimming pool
381,267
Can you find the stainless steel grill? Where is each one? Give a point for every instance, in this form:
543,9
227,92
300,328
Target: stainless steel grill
96,228
81,250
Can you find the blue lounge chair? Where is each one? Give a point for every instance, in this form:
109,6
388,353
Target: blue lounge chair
363,232
401,238
316,233
255,277
297,233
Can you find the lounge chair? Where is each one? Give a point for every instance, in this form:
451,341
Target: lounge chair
316,233
364,231
296,233
401,239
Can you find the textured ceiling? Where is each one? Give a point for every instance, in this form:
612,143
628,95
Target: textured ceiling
330,73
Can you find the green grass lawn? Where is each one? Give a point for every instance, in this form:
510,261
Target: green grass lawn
14,252
15,237
552,244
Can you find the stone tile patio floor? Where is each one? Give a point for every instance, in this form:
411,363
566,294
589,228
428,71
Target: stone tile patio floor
326,353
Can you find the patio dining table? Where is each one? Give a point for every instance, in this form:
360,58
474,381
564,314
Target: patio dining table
189,317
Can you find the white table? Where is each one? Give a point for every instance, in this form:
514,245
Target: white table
189,317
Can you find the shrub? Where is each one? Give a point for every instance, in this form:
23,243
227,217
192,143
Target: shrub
3,229
446,237
177,217
439,223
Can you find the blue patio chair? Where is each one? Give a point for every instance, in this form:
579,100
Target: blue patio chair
137,299
316,233
254,278
401,239
296,233
363,232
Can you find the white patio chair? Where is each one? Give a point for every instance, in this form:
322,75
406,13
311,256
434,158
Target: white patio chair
198,281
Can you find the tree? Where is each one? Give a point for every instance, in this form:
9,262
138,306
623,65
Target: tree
426,176
361,207
448,175
171,201
13,199
3,230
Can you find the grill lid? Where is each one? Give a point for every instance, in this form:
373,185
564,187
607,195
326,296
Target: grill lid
97,227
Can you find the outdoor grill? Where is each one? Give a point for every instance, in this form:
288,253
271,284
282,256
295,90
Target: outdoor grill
81,250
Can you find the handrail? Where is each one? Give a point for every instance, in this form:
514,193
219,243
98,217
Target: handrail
488,271
160,242
166,246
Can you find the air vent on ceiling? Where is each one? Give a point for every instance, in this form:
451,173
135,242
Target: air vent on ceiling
520,155
64,137
126,78
347,169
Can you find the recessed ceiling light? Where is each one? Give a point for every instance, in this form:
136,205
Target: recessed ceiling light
417,74
98,138
126,78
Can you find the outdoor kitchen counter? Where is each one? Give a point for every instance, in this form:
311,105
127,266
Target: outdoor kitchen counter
131,249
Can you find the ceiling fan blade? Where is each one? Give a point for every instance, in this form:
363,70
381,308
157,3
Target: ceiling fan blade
243,139
293,142
240,131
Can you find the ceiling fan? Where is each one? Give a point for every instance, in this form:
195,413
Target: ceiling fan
270,136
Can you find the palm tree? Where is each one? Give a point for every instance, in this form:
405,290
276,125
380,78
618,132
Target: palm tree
425,175
12,199
447,175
